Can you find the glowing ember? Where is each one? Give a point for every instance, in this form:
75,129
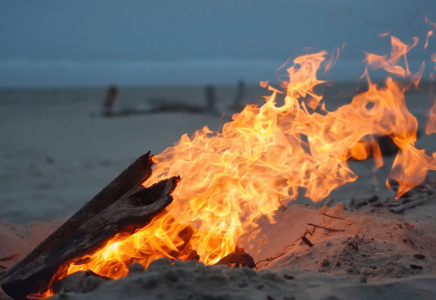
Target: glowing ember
260,159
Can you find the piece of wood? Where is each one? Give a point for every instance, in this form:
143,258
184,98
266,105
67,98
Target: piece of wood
412,204
133,210
133,176
237,259
326,202
364,200
325,228
387,146
334,217
306,241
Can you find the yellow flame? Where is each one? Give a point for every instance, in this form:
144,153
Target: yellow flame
263,157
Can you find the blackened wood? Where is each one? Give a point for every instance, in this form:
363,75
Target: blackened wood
325,228
237,259
416,267
133,176
306,241
387,146
133,210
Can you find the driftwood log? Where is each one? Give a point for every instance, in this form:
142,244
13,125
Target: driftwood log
133,176
133,210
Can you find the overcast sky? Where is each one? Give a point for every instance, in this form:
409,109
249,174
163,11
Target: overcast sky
43,36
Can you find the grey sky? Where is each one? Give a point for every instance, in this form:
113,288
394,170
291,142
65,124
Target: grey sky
174,30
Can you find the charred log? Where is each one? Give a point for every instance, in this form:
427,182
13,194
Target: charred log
133,210
237,259
133,176
387,146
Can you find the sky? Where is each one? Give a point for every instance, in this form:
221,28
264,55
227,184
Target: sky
99,42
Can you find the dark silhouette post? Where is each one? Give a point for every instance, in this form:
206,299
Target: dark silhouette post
210,98
240,96
109,102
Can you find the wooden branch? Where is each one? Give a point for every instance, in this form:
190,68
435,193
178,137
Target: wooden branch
412,204
306,241
334,217
133,210
133,176
359,202
325,228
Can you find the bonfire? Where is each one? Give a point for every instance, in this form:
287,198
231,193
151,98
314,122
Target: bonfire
204,199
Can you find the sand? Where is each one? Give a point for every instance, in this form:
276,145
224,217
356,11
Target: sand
191,280
56,152
370,246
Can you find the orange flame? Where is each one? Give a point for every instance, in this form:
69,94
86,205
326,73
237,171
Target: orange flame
399,50
264,84
261,159
427,20
431,123
429,34
383,34
332,60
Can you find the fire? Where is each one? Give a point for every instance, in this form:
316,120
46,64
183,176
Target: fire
264,156
431,124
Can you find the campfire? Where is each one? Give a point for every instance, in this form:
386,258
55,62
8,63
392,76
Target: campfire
199,198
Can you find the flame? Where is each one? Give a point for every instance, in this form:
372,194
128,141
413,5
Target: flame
399,50
263,157
427,20
383,34
429,34
264,84
332,60
431,123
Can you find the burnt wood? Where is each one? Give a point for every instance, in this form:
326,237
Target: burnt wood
237,259
133,176
133,210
